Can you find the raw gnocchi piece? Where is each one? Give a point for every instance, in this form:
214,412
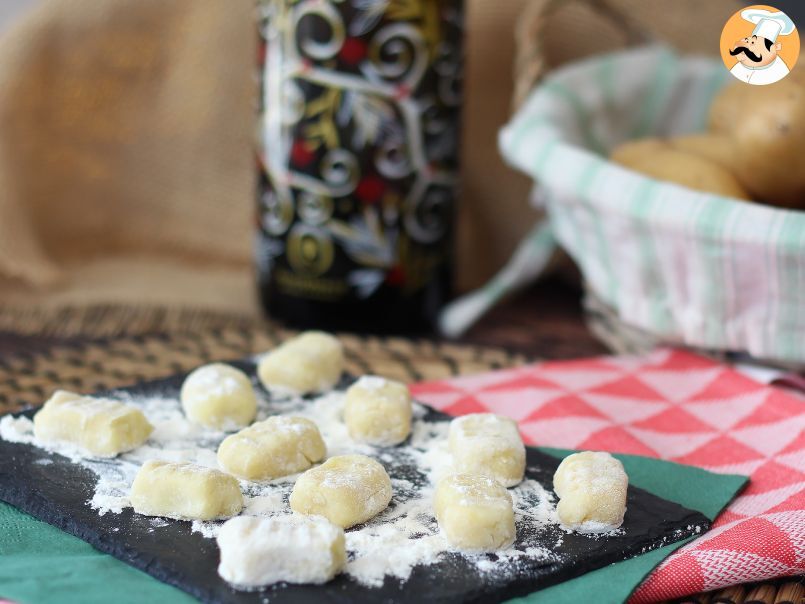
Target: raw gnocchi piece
474,512
275,447
219,396
378,411
311,362
489,444
347,490
185,491
260,551
103,427
592,491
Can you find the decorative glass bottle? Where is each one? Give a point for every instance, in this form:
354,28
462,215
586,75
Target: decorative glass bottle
358,160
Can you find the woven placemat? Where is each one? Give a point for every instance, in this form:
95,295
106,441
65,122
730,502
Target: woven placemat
116,320
27,379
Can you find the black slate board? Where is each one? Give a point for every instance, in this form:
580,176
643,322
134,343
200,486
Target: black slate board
58,493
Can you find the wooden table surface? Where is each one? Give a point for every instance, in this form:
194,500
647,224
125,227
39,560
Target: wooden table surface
544,321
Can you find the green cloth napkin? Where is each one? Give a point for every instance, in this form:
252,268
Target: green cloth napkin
39,564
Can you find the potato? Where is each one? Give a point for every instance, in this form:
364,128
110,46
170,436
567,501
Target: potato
658,159
635,151
764,127
713,147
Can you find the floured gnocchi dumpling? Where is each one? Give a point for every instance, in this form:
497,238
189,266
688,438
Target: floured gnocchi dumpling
347,490
103,427
185,491
592,491
219,397
275,447
474,512
296,549
309,363
378,411
488,444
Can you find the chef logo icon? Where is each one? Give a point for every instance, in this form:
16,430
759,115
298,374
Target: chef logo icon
760,45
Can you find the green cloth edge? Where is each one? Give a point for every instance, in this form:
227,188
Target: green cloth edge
39,564
691,487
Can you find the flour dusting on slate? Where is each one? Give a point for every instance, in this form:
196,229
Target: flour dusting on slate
402,537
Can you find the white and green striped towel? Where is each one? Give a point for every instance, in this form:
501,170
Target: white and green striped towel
689,267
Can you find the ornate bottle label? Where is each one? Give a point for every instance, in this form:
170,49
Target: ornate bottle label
358,133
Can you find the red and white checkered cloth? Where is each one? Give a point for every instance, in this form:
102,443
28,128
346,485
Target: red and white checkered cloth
676,406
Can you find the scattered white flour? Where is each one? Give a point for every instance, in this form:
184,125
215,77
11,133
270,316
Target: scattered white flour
403,536
206,529
265,505
17,429
371,382
214,381
21,430
593,528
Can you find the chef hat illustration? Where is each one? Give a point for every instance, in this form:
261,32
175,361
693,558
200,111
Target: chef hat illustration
769,24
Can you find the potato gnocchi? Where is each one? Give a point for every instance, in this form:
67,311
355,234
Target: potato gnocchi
474,512
378,411
261,551
219,397
275,447
185,491
311,362
592,491
488,444
102,427
347,490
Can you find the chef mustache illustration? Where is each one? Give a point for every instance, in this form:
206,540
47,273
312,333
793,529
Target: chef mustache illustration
756,49
752,56
758,54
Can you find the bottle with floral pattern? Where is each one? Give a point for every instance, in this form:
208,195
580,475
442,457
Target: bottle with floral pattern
358,158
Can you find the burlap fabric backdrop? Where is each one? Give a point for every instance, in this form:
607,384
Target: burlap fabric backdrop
126,169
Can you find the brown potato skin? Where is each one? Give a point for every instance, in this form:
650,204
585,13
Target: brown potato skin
659,159
760,132
754,148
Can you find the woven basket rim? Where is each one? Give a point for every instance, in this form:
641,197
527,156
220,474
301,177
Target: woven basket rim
530,65
675,310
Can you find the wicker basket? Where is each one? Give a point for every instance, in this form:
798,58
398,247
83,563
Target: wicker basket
597,26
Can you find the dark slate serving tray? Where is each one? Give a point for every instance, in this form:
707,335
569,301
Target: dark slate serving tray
58,493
